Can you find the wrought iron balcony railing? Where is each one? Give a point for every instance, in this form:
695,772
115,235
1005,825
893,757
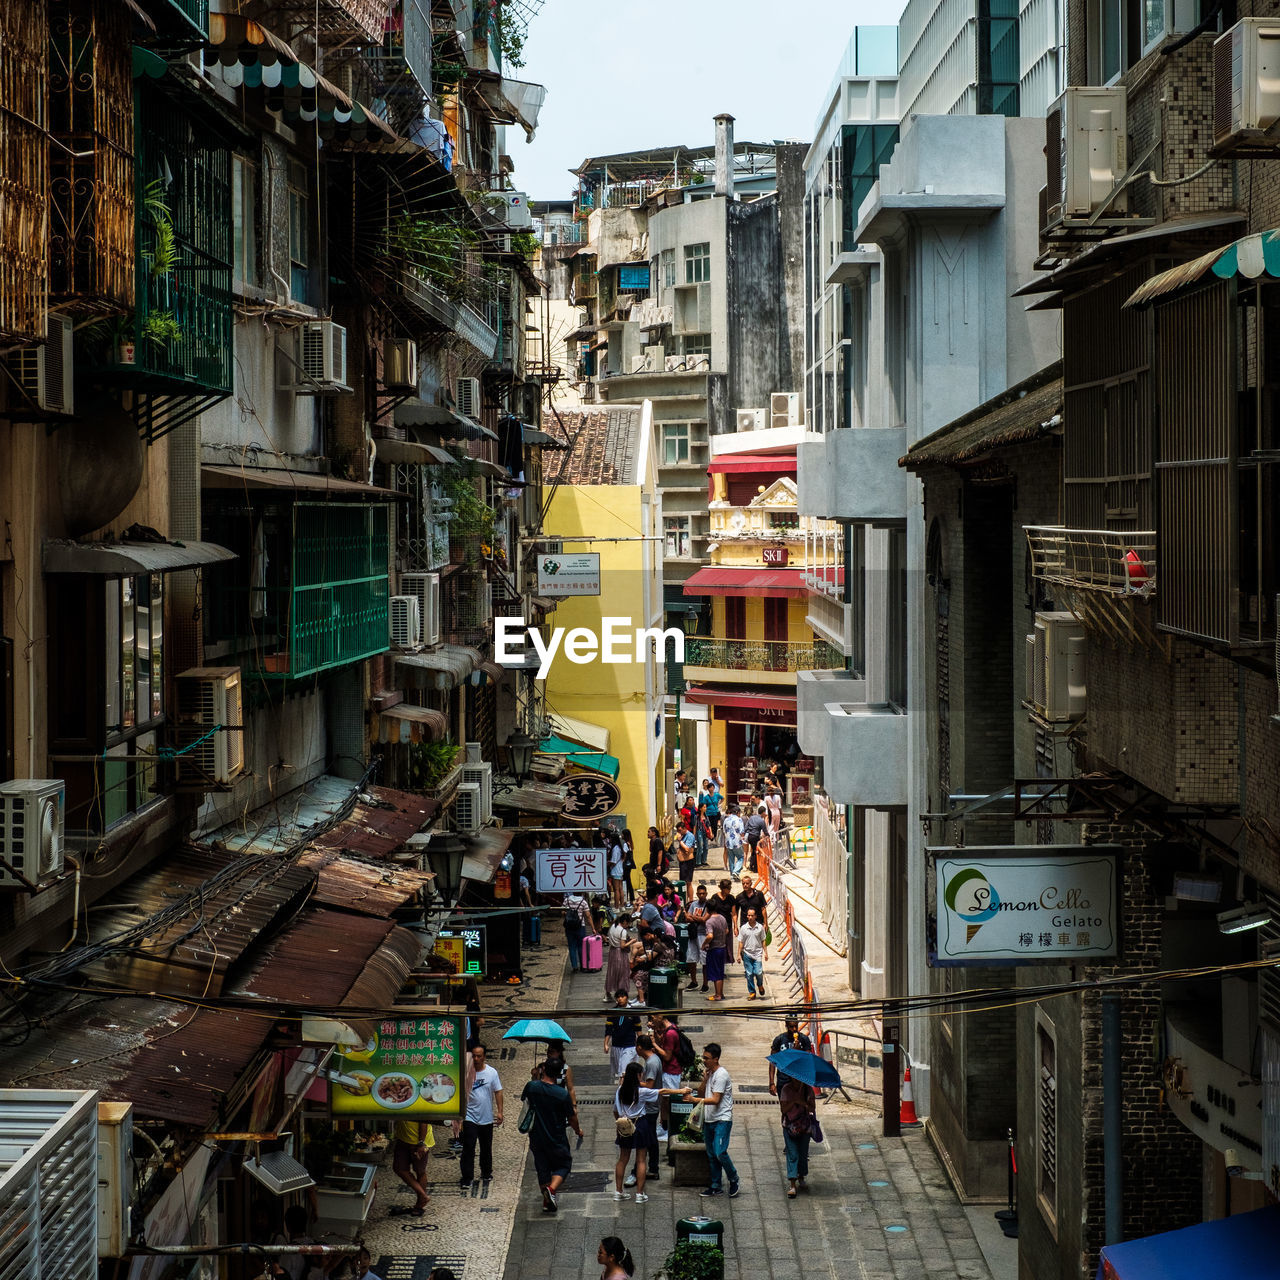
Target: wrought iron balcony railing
761,655
1117,562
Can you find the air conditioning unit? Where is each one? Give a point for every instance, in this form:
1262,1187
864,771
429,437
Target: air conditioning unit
466,395
475,755
426,587
46,372
314,359
482,775
31,830
1056,656
697,363
642,364
518,215
207,697
1086,144
400,365
752,419
406,622
1246,85
466,808
784,409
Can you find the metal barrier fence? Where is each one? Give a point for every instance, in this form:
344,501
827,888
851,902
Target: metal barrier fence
830,868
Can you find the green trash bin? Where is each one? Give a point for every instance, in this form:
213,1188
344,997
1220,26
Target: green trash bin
664,988
702,1233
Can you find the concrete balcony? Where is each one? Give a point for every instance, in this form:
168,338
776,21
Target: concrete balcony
866,763
814,689
853,474
754,661
833,620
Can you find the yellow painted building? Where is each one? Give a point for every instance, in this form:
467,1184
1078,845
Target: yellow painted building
604,497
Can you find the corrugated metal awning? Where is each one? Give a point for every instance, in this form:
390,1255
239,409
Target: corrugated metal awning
406,723
353,885
590,735
305,484
440,669
1254,257
415,413
409,451
484,857
121,559
769,584
381,822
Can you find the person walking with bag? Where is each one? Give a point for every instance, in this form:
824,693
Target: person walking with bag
549,1109
687,854
578,924
633,1122
620,1035
799,1105
617,970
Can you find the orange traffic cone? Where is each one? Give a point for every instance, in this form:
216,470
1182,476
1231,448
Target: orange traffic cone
907,1112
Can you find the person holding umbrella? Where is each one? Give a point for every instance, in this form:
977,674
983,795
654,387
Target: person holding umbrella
798,1074
791,1038
552,1109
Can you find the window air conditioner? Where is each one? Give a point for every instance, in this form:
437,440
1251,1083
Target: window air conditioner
674,364
466,808
752,419
31,830
406,622
1085,147
1056,656
400,365
784,408
314,359
466,395
46,372
207,697
1246,85
426,588
482,775
697,364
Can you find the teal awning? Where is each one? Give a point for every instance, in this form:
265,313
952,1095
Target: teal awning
1253,257
573,753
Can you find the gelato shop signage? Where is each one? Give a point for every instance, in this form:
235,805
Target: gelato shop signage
410,1067
1042,904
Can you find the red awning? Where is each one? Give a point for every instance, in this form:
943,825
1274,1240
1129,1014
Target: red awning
780,704
740,462
770,584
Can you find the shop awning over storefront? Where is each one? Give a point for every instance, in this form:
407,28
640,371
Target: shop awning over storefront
123,559
770,584
484,857
573,754
1245,1245
359,886
589,735
741,699
406,723
745,463
1253,257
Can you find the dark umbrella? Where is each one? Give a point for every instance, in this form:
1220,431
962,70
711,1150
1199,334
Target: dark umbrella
806,1067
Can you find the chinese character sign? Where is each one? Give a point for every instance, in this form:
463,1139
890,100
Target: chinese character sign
995,906
569,575
589,796
582,871
410,1067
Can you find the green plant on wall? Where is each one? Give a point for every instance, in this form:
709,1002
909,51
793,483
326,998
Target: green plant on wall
524,243
161,328
693,1262
430,762
471,517
436,250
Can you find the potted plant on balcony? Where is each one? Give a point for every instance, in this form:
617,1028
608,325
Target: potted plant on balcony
473,521
431,765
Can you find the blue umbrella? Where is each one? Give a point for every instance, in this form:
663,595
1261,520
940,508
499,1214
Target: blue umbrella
538,1029
806,1067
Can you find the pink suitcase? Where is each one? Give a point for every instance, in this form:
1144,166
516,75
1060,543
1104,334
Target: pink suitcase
592,953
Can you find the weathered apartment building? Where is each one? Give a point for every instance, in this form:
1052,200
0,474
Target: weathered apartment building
268,445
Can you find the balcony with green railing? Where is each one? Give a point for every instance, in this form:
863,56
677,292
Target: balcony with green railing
761,661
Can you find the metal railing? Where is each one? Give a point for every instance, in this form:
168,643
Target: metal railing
761,655
1116,562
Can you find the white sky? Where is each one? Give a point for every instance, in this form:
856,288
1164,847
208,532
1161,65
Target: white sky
630,74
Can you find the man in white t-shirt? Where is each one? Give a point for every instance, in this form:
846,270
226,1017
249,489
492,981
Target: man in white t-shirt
716,1100
484,1110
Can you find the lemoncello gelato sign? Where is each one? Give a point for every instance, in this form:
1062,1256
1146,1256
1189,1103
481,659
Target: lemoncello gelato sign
1047,907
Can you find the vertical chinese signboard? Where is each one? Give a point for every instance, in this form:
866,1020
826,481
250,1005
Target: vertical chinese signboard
411,1068
572,871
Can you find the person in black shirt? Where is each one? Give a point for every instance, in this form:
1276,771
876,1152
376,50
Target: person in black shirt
757,825
723,903
751,898
791,1038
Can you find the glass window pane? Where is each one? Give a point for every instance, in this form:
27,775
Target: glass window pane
145,770
157,645
142,646
111,648
128,656
115,785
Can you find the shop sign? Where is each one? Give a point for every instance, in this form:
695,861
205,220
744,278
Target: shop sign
411,1069
775,555
589,797
999,904
572,871
464,949
569,575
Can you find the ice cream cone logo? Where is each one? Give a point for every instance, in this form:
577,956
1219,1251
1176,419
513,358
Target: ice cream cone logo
973,898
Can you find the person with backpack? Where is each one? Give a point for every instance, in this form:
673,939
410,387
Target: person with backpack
798,1103
672,1046
757,829
550,1108
694,914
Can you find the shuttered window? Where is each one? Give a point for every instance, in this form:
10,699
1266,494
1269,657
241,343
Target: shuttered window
1047,1119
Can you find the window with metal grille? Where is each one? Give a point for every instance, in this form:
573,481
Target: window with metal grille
1046,1118
697,263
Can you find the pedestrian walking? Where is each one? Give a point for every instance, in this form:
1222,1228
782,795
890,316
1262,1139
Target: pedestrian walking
773,803
615,1258
798,1103
791,1038
631,1116
413,1141
484,1111
753,952
650,1078
735,834
620,1035
694,916
715,950
757,825
616,858
687,853
552,1108
617,970
715,1097
578,924
715,800
563,1071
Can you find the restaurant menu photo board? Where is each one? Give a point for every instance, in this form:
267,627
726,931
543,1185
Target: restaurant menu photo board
411,1069
464,949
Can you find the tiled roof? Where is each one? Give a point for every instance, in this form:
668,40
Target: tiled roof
604,447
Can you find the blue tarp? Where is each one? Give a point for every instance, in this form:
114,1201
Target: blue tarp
1246,1246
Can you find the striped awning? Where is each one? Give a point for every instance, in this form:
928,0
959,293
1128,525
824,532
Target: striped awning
1254,257
252,57
406,723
